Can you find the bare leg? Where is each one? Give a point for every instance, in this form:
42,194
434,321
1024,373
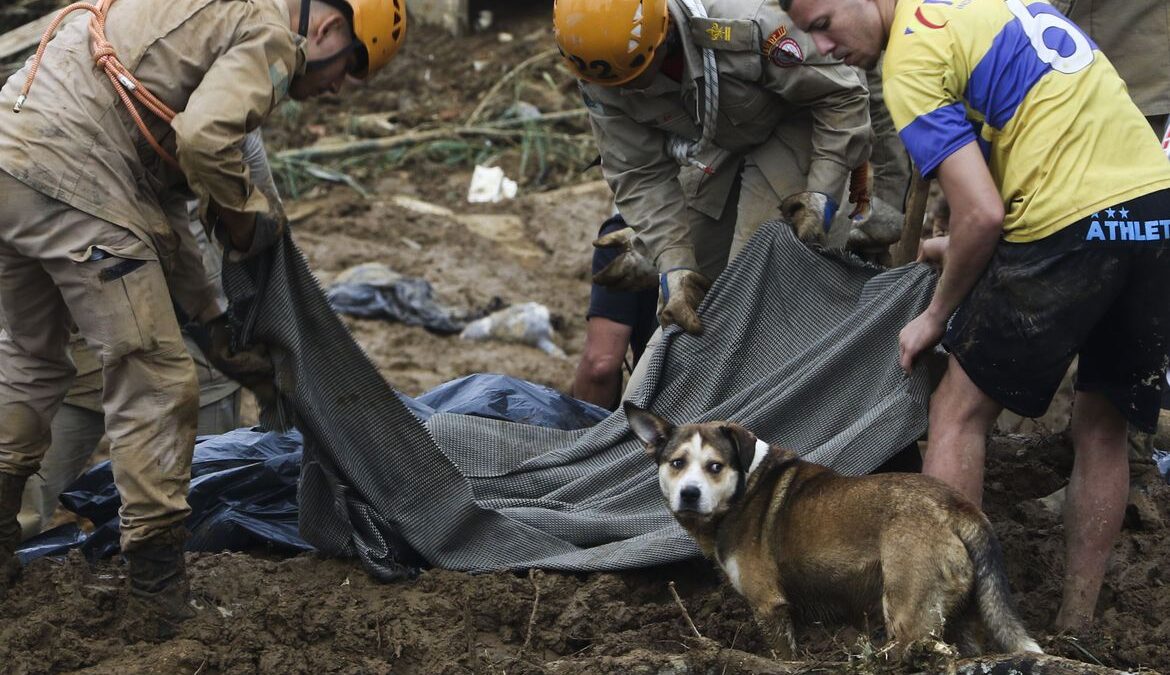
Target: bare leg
960,417
1095,505
599,374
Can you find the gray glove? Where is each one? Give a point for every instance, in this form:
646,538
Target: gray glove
630,270
880,225
680,292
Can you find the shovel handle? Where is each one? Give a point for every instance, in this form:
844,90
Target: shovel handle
907,248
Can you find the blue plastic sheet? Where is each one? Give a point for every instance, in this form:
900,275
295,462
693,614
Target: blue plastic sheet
244,483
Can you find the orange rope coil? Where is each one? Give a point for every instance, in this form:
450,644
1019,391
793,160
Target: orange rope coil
104,55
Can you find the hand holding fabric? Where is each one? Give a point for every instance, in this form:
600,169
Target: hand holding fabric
680,292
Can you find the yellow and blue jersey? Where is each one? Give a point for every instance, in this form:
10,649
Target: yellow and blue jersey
1061,136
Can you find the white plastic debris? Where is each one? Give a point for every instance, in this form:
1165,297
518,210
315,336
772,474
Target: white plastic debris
490,185
526,323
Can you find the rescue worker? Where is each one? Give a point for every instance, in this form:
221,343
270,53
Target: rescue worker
1058,244
616,322
734,93
89,168
79,425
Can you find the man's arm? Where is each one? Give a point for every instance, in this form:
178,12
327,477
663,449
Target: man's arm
976,226
236,94
645,184
836,97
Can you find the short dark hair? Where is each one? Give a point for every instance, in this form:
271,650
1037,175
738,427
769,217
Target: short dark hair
785,5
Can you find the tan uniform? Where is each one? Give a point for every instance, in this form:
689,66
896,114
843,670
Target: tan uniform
789,120
86,235
1135,35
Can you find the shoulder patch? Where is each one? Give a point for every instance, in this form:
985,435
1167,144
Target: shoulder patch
728,34
785,52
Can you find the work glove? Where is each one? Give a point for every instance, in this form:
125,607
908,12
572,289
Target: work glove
268,228
251,367
630,270
810,214
878,226
680,291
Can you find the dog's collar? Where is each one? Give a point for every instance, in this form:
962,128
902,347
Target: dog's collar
761,453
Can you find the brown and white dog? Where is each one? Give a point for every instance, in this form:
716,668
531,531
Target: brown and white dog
799,540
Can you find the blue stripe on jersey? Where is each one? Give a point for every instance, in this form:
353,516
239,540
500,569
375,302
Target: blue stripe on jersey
932,137
1009,69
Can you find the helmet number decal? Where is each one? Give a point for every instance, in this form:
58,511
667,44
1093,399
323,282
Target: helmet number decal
597,71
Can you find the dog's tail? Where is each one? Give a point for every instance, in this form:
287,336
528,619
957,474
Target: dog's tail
992,594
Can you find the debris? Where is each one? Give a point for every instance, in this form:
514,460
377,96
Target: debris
490,185
526,323
1162,457
484,20
419,206
374,291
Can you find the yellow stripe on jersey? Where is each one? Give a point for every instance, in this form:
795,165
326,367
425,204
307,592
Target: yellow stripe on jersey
1060,134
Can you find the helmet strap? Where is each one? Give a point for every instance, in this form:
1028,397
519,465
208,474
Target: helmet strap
303,27
344,52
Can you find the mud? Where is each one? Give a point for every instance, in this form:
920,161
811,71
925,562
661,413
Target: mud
264,614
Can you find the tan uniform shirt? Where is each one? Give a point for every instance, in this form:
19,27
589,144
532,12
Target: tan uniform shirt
223,66
1135,35
769,72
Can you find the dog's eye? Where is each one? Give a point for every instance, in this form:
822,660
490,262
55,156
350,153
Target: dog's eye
714,467
676,463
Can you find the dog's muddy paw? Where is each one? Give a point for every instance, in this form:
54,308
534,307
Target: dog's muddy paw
929,655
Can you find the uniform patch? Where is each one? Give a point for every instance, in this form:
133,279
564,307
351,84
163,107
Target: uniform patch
719,33
774,39
787,53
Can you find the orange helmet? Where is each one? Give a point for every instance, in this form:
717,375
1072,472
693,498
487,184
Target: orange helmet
380,28
609,42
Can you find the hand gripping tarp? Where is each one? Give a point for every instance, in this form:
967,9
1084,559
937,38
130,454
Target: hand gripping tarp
800,347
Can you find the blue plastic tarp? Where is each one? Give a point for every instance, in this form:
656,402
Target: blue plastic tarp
244,483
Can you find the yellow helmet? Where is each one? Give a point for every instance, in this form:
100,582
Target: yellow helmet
609,42
380,29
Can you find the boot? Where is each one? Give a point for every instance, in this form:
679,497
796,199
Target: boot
159,592
11,490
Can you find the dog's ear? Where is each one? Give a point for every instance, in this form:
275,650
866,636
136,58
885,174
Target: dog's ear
652,429
744,442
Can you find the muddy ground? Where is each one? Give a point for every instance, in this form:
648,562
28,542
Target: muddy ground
267,614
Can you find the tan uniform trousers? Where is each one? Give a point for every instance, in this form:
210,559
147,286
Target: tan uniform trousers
51,278
77,431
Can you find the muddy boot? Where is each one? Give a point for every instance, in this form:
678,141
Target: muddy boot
11,490
159,592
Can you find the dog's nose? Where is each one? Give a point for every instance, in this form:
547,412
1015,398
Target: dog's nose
690,495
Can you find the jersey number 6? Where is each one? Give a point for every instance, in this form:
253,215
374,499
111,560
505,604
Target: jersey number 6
1035,26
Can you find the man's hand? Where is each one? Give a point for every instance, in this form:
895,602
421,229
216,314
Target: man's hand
810,214
679,295
921,334
630,270
251,367
250,234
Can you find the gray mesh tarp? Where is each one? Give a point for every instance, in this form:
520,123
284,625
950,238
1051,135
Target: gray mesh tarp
800,347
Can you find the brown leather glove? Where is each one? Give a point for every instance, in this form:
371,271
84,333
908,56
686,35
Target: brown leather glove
680,292
810,214
630,270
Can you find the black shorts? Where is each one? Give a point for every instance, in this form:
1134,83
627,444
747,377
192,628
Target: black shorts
1096,289
638,310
